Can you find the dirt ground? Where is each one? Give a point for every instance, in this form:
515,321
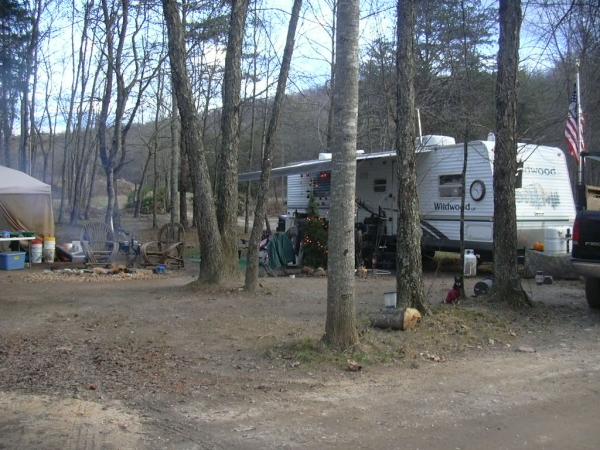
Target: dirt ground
154,364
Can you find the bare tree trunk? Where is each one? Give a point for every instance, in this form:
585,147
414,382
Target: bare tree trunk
154,183
65,183
463,196
251,280
110,194
466,138
507,286
211,248
340,325
331,78
227,157
409,269
140,188
174,197
183,212
88,202
252,122
7,115
82,162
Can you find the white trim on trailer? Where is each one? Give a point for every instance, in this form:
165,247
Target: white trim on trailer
544,202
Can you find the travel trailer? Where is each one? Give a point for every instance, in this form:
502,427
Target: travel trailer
544,200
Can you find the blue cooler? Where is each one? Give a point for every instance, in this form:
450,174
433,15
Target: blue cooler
12,260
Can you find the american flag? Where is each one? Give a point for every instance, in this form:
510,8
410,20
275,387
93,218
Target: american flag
574,127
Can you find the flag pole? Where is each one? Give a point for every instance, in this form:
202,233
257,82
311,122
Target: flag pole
579,131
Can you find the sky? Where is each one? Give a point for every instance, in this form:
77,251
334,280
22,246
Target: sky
310,64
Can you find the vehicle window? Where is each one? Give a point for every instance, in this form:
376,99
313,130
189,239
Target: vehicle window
379,184
451,185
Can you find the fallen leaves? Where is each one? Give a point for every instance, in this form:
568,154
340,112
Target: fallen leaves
353,366
432,357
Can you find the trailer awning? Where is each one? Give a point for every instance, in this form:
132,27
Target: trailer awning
316,165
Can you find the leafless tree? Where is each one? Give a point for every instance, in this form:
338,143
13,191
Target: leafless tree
263,188
227,157
507,285
191,140
409,270
340,325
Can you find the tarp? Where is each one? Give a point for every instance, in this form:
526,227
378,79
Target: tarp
281,251
25,203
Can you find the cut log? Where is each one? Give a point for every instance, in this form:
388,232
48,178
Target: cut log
397,319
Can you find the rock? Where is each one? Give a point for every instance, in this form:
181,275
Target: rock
525,349
431,357
240,429
92,387
362,272
117,268
64,349
353,366
100,271
320,272
307,270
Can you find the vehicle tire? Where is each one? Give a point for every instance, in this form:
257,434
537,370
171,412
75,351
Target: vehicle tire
592,292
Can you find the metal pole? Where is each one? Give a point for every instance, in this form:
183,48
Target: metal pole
419,122
579,137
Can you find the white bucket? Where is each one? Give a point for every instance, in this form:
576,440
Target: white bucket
36,252
470,268
554,242
76,247
49,249
389,299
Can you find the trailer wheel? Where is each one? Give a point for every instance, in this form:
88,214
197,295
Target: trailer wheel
592,292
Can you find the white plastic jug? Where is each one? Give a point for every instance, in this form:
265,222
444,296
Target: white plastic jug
470,268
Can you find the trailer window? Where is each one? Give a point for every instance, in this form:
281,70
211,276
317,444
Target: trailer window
451,185
379,184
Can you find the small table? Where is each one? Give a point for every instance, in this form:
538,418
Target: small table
22,238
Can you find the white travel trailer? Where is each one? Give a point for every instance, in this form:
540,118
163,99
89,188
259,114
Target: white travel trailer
544,200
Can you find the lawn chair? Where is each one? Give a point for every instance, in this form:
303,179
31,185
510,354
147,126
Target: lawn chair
99,243
168,249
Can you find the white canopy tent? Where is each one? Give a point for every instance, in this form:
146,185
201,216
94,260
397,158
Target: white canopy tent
25,203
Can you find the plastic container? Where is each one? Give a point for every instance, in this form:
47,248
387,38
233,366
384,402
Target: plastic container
36,251
483,287
539,277
12,261
554,242
5,234
470,268
49,249
76,247
389,299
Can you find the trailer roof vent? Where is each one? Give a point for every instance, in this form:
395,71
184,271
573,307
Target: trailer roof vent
434,140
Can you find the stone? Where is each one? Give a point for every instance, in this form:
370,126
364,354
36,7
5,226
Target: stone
525,349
